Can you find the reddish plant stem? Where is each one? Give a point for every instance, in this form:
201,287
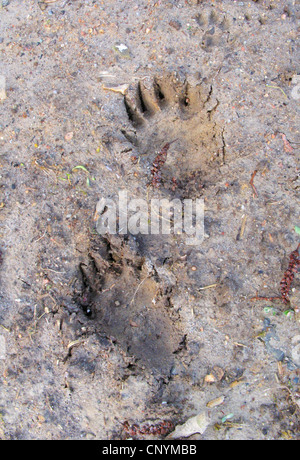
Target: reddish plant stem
287,280
159,162
160,429
290,275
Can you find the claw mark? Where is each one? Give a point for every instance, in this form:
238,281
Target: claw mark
132,113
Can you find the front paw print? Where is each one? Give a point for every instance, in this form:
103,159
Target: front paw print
170,110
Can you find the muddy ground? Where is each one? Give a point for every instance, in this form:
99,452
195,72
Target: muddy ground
102,333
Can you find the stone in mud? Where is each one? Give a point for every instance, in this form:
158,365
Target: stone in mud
122,50
2,88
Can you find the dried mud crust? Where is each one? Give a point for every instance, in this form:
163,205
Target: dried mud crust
169,110
125,299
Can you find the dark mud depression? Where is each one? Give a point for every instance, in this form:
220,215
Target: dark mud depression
121,336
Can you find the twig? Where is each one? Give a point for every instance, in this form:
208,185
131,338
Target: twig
287,146
137,289
73,344
51,270
268,299
252,182
277,87
208,287
294,400
39,239
109,289
242,229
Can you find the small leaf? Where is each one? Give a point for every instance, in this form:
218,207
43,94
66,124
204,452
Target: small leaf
80,167
216,402
270,310
227,417
297,229
193,425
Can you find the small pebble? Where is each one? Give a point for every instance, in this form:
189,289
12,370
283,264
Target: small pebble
2,88
42,5
122,50
175,24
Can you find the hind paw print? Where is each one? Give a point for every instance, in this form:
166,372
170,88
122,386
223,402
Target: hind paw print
216,30
125,299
